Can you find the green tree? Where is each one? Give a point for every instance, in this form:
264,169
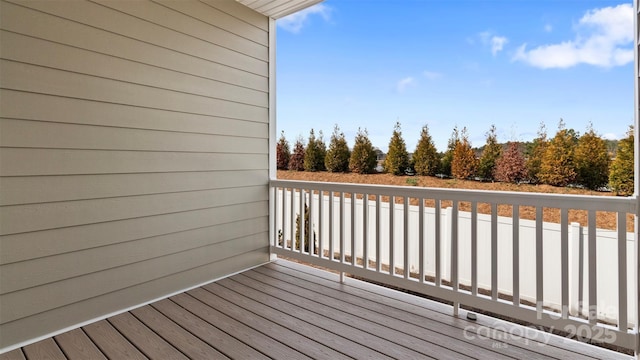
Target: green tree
621,177
425,158
296,162
491,152
592,160
558,168
447,158
363,156
337,158
283,153
510,166
535,153
612,147
464,164
397,160
315,153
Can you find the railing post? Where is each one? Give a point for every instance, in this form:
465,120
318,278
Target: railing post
378,235
301,224
575,239
592,265
365,231
354,254
438,240
515,231
636,257
636,166
405,234
342,234
444,245
293,219
421,240
273,221
474,248
342,227
494,251
392,254
311,232
454,254
331,222
539,262
637,273
622,272
320,223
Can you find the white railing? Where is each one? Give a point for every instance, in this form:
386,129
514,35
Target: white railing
563,276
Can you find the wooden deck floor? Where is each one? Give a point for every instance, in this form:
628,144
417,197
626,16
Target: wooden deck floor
286,310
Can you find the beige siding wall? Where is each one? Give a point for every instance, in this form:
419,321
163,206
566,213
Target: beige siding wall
133,154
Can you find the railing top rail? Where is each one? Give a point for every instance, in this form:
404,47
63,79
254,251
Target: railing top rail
562,201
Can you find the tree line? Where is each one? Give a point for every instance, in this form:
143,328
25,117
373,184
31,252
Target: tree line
566,159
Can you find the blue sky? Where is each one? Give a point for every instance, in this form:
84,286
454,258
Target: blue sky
512,63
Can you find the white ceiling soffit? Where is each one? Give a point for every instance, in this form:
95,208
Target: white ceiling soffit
278,8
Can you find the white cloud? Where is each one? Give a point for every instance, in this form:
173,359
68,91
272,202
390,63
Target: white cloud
402,85
548,28
494,41
296,21
432,75
497,43
604,37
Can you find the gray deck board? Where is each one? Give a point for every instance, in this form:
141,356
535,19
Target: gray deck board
208,333
384,328
425,338
111,342
549,345
271,347
45,349
355,329
176,335
76,345
149,343
307,327
441,323
429,329
285,310
13,355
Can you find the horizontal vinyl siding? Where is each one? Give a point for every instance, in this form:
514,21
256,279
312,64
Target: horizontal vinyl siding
36,189
31,162
133,154
49,27
33,78
51,321
23,275
125,22
68,58
43,134
32,245
18,304
209,14
38,217
52,108
183,22
234,7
